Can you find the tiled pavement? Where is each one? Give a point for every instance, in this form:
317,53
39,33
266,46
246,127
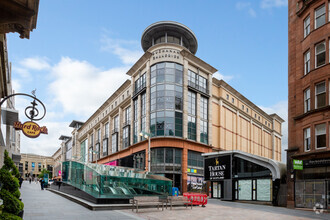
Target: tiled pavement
47,205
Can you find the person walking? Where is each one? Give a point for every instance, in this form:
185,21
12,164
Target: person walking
30,180
20,181
42,183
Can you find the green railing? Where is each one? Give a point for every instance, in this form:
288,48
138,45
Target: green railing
103,181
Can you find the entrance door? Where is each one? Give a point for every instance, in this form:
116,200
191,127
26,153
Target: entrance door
216,190
310,193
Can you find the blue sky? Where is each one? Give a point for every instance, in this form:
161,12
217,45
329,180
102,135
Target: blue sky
81,50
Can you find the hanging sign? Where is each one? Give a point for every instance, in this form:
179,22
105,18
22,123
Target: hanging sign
298,164
30,129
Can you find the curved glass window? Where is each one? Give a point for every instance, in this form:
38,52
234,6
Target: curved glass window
166,99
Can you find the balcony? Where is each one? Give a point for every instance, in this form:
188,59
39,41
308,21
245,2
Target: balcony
198,88
139,89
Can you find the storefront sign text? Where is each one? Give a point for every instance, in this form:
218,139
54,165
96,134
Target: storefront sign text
217,168
30,129
297,164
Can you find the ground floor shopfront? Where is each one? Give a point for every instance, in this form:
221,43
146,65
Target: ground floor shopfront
236,175
312,184
177,159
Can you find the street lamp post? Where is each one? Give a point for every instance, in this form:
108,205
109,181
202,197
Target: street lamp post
147,135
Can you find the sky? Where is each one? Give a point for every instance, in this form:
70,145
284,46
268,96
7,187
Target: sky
81,50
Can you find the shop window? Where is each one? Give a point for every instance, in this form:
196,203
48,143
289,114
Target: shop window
320,54
307,62
307,26
307,100
195,159
319,16
307,139
320,95
320,136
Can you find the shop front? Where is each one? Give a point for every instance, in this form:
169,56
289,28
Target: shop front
312,183
236,175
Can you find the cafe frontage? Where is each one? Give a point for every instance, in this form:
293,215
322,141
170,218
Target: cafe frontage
240,176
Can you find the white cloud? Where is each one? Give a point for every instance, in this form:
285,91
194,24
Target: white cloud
273,3
81,87
35,63
119,48
246,6
22,72
281,109
220,76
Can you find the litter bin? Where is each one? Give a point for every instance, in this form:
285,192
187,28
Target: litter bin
175,191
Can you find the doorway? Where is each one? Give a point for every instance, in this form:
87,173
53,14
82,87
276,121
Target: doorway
217,190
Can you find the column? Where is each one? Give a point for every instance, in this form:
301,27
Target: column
184,168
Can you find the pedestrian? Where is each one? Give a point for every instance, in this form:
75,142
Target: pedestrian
30,180
42,183
20,181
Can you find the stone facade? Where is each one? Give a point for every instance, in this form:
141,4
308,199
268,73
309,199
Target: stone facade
176,154
308,81
33,164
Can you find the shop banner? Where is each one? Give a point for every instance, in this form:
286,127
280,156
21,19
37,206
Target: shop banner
217,168
317,162
298,164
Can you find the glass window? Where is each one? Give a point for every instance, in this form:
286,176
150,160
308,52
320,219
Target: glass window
105,147
98,135
126,137
127,115
204,120
307,139
92,139
306,26
320,16
320,136
114,142
116,123
106,130
320,95
320,54
195,159
307,100
166,99
90,154
307,62
135,127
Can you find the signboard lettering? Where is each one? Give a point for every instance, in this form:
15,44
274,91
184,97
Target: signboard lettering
217,168
297,164
30,129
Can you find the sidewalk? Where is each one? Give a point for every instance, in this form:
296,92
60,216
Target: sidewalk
216,209
42,204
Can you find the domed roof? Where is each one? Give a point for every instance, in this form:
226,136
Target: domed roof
172,28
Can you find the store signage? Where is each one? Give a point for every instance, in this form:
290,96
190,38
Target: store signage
298,164
317,162
217,168
30,129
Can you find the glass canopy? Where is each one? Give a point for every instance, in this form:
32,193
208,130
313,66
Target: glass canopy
104,181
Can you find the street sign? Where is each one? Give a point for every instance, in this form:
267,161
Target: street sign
298,164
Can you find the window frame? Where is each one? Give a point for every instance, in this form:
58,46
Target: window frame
307,27
317,94
307,100
317,54
316,17
307,63
307,139
316,135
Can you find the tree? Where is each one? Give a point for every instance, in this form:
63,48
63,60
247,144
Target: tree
44,171
9,192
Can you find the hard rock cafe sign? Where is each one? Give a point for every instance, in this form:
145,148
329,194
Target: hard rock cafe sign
30,129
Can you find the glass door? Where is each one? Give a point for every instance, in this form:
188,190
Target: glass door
216,190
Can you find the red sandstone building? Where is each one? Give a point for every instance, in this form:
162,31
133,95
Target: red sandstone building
309,110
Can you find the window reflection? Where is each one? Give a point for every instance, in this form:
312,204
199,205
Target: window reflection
166,102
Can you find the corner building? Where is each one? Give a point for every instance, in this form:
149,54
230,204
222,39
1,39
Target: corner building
173,97
309,110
